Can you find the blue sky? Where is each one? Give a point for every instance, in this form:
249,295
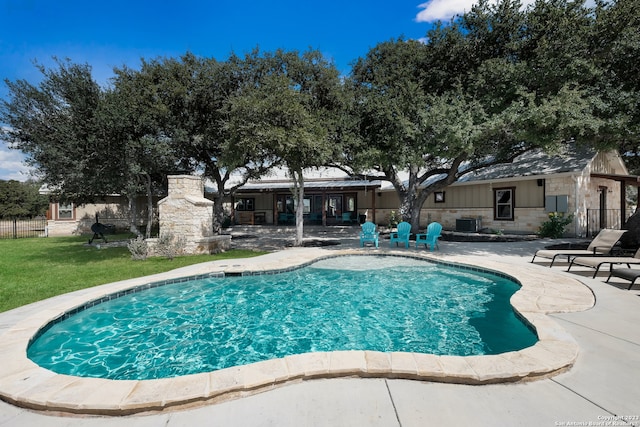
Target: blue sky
116,33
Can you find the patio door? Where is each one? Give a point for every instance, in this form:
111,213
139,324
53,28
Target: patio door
334,206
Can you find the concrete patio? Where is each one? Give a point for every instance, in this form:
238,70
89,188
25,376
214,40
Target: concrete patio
602,388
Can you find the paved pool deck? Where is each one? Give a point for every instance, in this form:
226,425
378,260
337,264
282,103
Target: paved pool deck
599,344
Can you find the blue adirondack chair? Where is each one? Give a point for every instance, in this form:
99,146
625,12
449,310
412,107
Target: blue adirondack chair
369,234
431,238
402,234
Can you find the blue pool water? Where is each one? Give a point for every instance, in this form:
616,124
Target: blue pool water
381,303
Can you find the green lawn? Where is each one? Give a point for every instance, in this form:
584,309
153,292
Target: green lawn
39,268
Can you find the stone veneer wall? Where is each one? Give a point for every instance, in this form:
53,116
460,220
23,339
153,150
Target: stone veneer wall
526,220
62,228
583,192
185,213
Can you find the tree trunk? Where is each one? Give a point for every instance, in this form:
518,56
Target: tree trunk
218,212
133,215
411,202
149,207
408,193
412,196
631,239
298,190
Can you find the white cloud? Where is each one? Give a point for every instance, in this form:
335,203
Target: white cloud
12,165
444,10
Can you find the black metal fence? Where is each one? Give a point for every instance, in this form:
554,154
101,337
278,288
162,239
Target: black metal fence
17,228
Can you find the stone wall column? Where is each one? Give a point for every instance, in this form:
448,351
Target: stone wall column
187,214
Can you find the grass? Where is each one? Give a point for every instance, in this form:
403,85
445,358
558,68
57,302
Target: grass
39,268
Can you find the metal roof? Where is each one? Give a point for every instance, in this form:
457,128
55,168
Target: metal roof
572,159
329,184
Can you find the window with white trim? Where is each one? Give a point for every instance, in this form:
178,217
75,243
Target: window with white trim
65,210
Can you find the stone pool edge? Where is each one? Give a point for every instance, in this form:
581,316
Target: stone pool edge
543,291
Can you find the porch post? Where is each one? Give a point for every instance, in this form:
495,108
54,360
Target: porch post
373,205
324,208
275,208
623,203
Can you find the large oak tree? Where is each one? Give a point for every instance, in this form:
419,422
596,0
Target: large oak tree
290,114
493,84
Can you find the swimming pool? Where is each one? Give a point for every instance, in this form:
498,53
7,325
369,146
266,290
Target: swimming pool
379,303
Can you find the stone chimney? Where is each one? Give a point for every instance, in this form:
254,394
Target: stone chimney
187,214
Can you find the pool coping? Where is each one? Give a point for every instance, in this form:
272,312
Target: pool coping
543,291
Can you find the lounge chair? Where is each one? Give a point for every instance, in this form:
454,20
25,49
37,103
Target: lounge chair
431,237
630,274
402,234
597,262
369,234
601,245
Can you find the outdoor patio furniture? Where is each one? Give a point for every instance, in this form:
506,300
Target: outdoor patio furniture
286,218
402,234
630,274
315,217
431,237
346,218
601,245
597,262
369,234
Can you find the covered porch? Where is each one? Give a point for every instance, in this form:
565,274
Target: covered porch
327,202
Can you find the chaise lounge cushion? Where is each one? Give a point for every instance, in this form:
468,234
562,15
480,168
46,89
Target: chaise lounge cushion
597,262
600,245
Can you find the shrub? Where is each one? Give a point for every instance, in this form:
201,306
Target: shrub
555,226
393,219
138,248
170,246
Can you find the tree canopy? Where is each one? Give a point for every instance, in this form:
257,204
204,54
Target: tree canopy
483,88
489,86
21,199
289,115
55,124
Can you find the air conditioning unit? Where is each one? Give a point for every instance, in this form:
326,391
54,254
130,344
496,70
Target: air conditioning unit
469,225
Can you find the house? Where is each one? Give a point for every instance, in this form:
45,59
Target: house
511,198
517,197
331,197
66,218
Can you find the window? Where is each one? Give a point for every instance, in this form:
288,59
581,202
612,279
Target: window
245,204
65,210
285,204
334,205
438,197
306,205
351,203
503,203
